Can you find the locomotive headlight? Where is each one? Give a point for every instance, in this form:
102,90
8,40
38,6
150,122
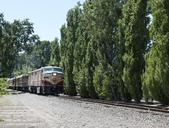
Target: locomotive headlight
54,74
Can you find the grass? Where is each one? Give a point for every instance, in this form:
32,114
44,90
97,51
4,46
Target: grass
3,93
3,86
1,120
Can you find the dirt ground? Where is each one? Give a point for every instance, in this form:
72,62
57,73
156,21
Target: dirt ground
14,114
34,111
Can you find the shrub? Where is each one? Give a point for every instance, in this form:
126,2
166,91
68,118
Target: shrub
3,86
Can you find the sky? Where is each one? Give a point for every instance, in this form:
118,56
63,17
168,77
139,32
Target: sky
47,15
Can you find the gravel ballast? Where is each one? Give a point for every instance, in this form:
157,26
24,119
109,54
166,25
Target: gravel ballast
34,111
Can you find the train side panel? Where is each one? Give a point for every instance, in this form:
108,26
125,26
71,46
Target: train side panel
35,81
46,80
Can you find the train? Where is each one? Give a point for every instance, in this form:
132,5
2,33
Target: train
45,80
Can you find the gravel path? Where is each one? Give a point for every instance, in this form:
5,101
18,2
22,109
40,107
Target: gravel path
33,111
14,114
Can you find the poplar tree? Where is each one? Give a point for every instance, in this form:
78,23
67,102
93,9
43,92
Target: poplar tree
55,53
156,76
102,17
79,69
63,45
69,37
134,23
90,61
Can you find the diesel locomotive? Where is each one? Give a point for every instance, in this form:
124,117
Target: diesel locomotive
45,80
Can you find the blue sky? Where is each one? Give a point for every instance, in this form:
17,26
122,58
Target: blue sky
47,15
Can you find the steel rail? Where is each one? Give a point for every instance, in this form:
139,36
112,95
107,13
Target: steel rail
140,106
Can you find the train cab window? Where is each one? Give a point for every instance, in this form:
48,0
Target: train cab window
58,69
47,69
52,69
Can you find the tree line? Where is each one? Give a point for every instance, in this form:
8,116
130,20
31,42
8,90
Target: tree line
117,50
22,51
109,49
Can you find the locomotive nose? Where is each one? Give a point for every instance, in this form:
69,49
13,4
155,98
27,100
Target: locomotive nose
54,74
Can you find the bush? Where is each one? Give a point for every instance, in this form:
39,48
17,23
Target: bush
3,86
81,83
102,83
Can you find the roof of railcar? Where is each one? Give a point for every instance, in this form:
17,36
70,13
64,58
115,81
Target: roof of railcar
9,79
51,67
36,70
22,76
13,78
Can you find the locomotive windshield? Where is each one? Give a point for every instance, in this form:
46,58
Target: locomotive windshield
58,69
53,69
47,69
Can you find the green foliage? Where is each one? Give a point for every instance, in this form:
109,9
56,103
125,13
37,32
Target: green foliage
35,56
79,67
55,53
155,79
98,80
106,90
14,37
89,67
91,35
3,86
69,38
135,38
102,25
80,80
40,55
102,83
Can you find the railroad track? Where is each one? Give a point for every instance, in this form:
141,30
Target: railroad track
140,106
